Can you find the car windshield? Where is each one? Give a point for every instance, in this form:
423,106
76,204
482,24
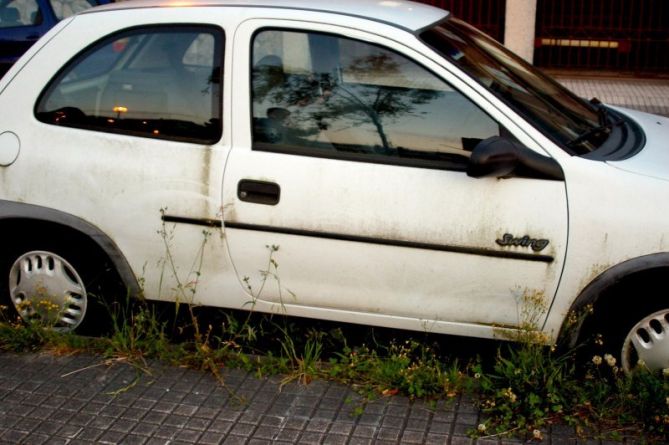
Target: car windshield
576,125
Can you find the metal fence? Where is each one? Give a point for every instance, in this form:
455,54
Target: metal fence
487,15
621,35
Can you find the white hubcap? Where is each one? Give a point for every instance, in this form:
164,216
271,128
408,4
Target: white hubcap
648,341
46,289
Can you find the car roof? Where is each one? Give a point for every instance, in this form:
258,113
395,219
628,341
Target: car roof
400,13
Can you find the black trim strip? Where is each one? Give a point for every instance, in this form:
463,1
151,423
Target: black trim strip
387,242
196,221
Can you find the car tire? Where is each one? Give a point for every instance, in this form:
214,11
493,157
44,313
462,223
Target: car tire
66,285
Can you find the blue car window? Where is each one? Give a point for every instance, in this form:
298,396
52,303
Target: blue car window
19,13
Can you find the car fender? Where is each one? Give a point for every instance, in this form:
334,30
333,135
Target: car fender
608,279
10,210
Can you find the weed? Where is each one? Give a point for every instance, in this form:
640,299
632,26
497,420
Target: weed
271,271
531,386
528,387
409,368
137,333
18,335
646,398
305,366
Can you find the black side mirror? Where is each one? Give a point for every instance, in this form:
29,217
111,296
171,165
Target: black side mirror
503,158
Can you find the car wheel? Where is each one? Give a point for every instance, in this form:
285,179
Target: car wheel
647,341
58,288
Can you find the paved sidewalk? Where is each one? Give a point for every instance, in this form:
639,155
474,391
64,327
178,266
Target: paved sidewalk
48,399
650,95
80,400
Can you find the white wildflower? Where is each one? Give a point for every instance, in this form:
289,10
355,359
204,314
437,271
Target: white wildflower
610,360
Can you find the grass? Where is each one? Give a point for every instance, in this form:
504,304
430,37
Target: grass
527,388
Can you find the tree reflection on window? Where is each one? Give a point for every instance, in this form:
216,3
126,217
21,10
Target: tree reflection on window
347,96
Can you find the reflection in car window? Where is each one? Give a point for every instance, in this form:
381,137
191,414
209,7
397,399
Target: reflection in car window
544,102
139,83
200,52
19,13
323,95
65,8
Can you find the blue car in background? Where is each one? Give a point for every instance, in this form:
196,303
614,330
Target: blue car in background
22,22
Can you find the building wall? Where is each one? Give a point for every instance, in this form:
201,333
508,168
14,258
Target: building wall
584,35
519,27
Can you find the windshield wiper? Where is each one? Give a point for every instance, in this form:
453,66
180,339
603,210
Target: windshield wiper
606,123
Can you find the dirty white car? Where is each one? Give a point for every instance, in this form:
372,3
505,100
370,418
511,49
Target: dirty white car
411,171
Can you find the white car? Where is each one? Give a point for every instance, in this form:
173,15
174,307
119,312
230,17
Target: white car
412,172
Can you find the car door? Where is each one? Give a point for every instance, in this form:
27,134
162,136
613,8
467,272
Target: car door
350,174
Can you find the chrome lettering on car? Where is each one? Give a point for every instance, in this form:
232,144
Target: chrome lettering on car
537,245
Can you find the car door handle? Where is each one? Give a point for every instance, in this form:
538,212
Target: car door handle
258,192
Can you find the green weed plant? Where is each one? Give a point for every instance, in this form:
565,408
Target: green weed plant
532,386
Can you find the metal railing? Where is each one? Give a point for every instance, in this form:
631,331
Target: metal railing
486,15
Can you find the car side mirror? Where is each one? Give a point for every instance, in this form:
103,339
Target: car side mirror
503,158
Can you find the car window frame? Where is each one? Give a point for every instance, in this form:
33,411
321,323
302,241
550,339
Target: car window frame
219,51
347,156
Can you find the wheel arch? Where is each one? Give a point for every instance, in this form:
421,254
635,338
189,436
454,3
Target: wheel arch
18,213
602,288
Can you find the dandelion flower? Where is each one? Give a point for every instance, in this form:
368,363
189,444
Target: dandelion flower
537,435
610,360
510,394
597,360
481,428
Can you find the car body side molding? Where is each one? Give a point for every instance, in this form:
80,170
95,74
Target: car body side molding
392,242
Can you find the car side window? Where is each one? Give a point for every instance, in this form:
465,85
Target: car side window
318,94
157,82
19,13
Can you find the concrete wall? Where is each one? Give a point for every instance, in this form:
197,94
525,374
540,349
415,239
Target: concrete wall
520,27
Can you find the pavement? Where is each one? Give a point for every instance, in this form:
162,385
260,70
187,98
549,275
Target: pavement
649,95
81,399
